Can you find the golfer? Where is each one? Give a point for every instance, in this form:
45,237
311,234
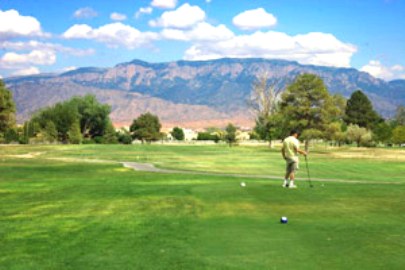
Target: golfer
290,150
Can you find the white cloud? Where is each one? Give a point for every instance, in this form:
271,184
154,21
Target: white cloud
115,16
36,45
164,3
114,35
254,19
185,16
71,68
143,10
85,13
312,48
26,71
36,57
201,32
12,25
79,31
378,70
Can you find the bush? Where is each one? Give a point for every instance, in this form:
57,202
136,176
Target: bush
205,136
125,138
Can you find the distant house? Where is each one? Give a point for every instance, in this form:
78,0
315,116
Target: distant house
189,134
243,135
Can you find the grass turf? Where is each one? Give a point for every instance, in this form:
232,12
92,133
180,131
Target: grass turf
74,215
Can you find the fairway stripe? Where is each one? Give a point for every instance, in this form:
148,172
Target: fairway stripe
148,167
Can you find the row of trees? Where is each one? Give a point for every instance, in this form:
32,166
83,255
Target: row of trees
147,128
306,105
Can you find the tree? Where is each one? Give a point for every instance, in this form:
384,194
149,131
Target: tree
307,105
11,135
74,134
177,133
400,116
146,128
7,109
358,134
263,103
359,111
398,135
51,134
382,132
333,132
94,116
124,136
110,135
230,136
270,128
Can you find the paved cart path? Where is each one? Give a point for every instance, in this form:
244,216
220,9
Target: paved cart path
148,167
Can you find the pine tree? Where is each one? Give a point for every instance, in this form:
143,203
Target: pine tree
7,109
307,106
359,111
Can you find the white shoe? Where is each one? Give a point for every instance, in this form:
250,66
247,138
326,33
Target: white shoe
292,186
285,184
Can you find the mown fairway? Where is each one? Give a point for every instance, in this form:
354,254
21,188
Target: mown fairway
75,207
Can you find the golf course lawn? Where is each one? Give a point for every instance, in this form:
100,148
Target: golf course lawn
77,207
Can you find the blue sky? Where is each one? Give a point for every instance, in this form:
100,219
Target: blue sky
54,36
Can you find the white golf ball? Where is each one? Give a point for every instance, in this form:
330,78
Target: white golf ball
284,220
243,184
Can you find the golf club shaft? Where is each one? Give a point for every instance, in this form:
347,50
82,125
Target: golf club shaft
309,176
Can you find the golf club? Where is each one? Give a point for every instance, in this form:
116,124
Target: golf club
309,177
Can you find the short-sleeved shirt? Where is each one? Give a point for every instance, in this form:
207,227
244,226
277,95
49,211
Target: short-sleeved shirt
290,145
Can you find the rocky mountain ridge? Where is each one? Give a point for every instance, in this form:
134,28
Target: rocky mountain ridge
191,93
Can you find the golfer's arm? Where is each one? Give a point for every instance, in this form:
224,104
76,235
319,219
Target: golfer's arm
283,152
300,151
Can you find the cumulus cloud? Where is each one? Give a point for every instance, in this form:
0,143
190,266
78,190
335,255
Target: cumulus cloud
115,16
201,32
312,48
143,10
378,70
114,35
185,16
85,13
35,57
37,45
254,19
164,3
26,71
12,25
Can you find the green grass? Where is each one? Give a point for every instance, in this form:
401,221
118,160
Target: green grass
65,214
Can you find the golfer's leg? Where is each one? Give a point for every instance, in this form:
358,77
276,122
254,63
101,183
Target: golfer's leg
287,175
292,175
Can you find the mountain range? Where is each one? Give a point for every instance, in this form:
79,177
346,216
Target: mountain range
191,93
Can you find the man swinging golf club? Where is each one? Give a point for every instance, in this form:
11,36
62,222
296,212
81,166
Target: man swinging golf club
290,150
